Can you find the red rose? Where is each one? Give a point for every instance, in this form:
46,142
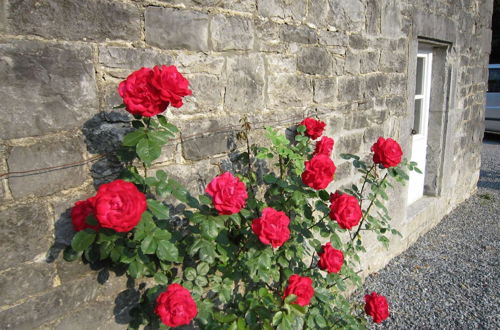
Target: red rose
376,306
272,227
139,95
171,84
175,306
345,210
301,287
314,128
330,259
119,205
229,194
319,172
79,214
324,146
387,152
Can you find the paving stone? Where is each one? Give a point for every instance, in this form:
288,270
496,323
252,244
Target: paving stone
52,84
170,28
75,20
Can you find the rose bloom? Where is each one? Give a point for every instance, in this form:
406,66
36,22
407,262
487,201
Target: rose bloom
319,172
387,152
119,205
330,259
301,287
324,146
376,306
171,84
345,210
79,214
229,194
139,95
272,227
175,306
314,128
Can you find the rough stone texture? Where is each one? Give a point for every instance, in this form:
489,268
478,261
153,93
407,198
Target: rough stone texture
219,138
27,279
74,19
314,61
52,84
231,33
351,63
245,83
33,223
176,29
44,155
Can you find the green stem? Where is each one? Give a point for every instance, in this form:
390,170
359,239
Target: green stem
364,182
317,223
372,201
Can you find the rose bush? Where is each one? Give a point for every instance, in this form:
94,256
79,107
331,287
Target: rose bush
253,251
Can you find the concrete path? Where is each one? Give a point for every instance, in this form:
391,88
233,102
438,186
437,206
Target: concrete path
450,278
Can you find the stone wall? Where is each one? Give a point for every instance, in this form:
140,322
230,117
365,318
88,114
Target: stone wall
275,61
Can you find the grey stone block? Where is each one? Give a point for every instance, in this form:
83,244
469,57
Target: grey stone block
332,38
195,177
132,59
349,88
325,90
231,33
348,144
295,10
318,13
347,15
44,155
289,90
314,60
47,307
245,83
170,28
98,316
268,36
45,87
369,61
358,41
212,138
299,34
343,171
25,233
75,20
207,94
26,280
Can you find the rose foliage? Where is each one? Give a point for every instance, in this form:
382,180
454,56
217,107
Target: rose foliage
267,247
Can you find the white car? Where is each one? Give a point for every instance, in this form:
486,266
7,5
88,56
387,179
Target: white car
492,116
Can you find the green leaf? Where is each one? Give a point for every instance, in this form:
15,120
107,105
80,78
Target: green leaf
201,281
160,137
205,199
210,228
161,278
270,178
416,169
290,299
190,274
147,150
277,318
83,239
71,255
202,268
136,269
91,220
162,234
121,106
320,321
301,128
132,138
149,245
349,156
167,251
158,209
324,195
171,127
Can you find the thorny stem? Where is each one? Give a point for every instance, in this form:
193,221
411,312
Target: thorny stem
365,180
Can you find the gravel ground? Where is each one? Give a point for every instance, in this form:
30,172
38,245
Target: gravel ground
449,279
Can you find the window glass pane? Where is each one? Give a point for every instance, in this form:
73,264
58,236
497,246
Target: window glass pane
494,81
420,75
417,118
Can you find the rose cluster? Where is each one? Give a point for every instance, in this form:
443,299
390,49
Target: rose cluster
147,92
117,205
